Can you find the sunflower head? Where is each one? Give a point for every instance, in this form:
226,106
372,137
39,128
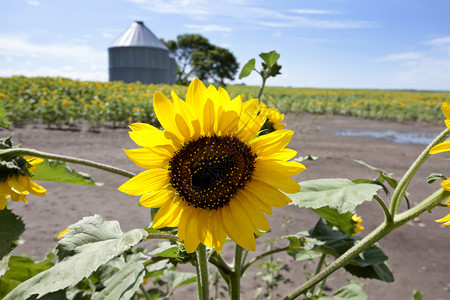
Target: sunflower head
209,172
15,182
273,121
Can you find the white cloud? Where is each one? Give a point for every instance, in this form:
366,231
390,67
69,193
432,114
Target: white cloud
400,57
314,12
19,45
33,2
439,41
209,28
192,7
320,24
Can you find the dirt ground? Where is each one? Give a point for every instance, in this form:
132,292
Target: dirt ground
417,251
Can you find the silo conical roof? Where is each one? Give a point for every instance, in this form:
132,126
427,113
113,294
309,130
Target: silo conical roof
137,35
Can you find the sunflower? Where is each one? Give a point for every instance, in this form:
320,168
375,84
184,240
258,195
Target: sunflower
443,147
209,172
274,119
358,226
18,185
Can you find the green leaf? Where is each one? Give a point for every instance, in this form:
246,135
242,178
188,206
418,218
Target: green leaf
270,58
343,221
124,283
352,291
384,176
3,121
165,249
338,193
247,69
180,278
88,244
51,170
369,264
22,268
435,176
11,227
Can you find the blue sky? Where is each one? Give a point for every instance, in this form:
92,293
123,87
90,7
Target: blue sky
396,44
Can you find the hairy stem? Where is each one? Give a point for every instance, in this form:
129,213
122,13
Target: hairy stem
8,153
246,266
404,182
235,278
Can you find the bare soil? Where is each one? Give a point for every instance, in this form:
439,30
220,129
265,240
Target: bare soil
417,251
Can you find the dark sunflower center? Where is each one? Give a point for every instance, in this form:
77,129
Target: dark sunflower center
209,171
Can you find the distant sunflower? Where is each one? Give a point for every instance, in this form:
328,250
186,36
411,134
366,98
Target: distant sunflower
443,147
358,226
18,184
210,174
274,119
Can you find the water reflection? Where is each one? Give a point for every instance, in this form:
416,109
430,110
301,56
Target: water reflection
422,138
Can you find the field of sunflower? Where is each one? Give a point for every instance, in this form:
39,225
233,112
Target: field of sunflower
66,102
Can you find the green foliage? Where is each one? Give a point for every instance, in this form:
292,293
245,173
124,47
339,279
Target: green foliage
88,244
11,227
195,56
369,264
247,69
383,175
352,291
417,295
50,170
22,268
337,193
66,103
3,121
270,67
343,221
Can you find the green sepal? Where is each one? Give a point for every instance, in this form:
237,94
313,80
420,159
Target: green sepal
435,176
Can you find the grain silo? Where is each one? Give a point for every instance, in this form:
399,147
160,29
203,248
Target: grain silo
138,55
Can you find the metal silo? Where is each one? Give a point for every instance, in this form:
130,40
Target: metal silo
172,69
138,55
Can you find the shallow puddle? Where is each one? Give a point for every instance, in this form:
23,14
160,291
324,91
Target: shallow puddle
422,138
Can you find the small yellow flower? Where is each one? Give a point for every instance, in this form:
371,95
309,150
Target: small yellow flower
61,234
209,172
443,147
274,118
358,226
18,186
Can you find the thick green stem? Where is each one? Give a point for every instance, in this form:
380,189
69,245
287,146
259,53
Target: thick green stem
8,153
235,278
203,268
381,231
404,182
144,292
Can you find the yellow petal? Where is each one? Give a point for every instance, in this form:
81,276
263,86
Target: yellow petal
446,109
142,126
284,154
188,115
2,202
256,215
275,168
219,236
146,182
158,198
191,239
241,236
256,201
442,147
240,214
150,138
195,97
36,189
19,184
271,143
445,220
168,215
150,158
185,215
267,193
446,184
165,112
209,116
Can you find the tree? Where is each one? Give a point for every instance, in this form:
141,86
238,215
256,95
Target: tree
195,56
